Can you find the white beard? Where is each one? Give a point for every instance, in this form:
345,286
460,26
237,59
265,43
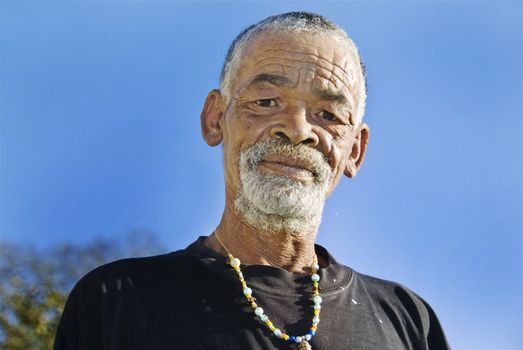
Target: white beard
275,203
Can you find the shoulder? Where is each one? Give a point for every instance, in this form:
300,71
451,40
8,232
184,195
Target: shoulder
385,289
144,273
112,290
400,304
135,272
391,293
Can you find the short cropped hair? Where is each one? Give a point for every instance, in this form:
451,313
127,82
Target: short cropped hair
293,22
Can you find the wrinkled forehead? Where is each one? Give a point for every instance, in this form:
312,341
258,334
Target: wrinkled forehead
328,62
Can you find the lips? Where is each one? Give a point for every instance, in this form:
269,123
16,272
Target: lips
295,168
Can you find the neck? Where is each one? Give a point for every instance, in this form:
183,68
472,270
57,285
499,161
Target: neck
293,252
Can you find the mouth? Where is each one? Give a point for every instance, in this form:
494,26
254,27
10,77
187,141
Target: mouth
297,169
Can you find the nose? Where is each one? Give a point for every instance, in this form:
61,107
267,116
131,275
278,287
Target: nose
294,127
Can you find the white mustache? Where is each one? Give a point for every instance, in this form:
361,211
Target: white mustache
276,203
262,150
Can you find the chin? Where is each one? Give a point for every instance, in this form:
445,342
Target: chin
273,223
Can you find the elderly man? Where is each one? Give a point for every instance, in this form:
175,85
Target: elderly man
289,116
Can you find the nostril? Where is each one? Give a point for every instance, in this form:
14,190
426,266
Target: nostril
282,135
308,141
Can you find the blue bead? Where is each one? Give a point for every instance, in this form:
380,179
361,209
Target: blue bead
311,332
292,339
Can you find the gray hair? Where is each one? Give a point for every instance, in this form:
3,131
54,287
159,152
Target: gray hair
293,22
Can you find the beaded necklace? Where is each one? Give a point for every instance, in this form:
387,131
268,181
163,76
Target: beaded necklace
302,340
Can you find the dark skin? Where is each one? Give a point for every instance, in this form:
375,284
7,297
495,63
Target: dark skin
301,88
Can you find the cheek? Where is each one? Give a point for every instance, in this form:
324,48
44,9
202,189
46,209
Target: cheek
244,124
335,157
339,152
335,146
240,134
252,130
230,159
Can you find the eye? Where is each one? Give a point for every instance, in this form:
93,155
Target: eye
268,102
327,115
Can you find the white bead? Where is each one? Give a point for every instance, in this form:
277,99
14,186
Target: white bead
277,332
264,318
235,262
315,277
258,311
316,267
307,337
317,307
298,339
247,291
317,300
316,319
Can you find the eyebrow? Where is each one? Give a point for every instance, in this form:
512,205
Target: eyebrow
330,95
274,79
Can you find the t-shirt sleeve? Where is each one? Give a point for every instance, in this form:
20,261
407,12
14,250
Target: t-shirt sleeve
421,316
80,326
436,339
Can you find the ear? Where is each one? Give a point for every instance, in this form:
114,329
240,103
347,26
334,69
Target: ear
358,151
210,118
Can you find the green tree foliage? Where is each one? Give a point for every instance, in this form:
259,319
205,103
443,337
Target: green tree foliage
34,284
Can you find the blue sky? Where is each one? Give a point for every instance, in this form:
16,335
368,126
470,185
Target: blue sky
99,135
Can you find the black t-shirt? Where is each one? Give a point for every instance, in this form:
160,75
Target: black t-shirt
192,299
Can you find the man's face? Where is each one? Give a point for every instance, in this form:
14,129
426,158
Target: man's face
290,123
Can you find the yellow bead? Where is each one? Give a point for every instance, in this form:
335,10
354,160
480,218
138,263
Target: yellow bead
285,336
272,328
254,305
268,323
316,312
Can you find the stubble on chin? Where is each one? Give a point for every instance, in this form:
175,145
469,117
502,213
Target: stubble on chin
274,203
